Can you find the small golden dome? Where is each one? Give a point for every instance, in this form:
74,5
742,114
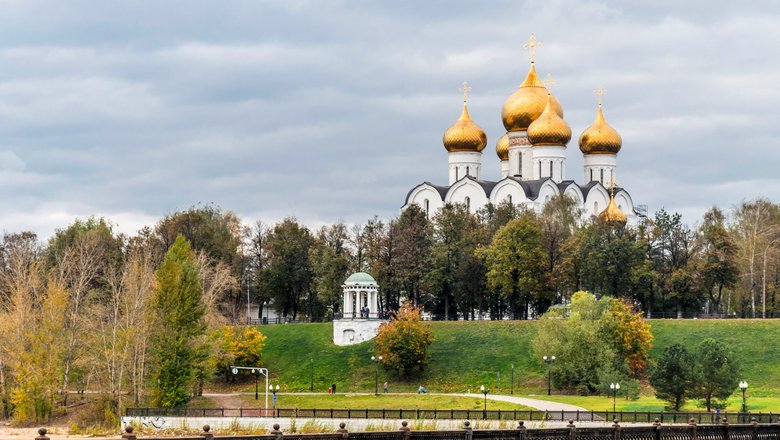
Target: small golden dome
502,147
613,216
464,135
527,103
549,128
600,137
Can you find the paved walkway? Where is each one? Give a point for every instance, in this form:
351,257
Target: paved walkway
542,405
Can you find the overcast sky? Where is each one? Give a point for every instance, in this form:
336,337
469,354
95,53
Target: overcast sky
333,110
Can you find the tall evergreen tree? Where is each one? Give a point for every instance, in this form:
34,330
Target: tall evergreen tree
179,327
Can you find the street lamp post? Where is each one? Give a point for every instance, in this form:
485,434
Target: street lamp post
549,360
274,390
311,384
485,392
512,384
743,385
376,360
257,371
614,387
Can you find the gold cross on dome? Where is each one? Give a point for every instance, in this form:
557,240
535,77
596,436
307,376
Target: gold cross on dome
548,81
532,44
600,92
465,89
612,184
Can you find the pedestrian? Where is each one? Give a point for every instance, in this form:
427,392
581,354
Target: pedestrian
330,390
333,386
385,388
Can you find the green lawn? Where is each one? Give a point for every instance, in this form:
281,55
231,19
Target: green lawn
468,354
382,401
650,403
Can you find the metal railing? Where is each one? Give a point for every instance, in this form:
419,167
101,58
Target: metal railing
460,414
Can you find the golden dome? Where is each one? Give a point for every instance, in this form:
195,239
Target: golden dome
464,135
600,137
502,147
613,216
549,128
527,103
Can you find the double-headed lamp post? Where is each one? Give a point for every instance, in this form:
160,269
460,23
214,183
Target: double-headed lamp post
376,360
614,387
549,360
485,392
274,390
743,385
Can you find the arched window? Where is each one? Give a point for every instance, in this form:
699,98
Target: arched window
595,208
602,176
467,171
468,203
540,169
561,170
520,170
591,174
509,198
427,207
456,173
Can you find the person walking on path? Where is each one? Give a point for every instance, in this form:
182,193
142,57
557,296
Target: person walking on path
385,388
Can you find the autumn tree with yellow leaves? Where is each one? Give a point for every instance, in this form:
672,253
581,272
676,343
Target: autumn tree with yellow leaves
403,342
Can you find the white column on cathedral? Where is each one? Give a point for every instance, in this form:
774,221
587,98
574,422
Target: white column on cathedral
600,167
504,168
549,161
519,155
464,163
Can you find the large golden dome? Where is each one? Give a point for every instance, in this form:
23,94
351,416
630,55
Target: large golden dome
502,147
549,128
527,103
465,135
613,216
600,137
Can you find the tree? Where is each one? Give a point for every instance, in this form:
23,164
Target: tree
412,237
330,261
577,335
558,221
179,326
631,336
514,263
403,341
673,376
674,250
239,346
288,275
716,372
718,257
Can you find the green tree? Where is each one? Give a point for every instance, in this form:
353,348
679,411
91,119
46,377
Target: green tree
456,276
673,376
674,250
288,274
179,327
716,373
411,236
403,341
330,261
514,263
718,258
558,222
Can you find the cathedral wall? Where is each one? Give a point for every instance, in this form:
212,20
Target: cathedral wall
508,191
596,201
428,199
464,163
469,193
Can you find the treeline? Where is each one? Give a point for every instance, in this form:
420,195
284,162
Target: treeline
76,311
505,262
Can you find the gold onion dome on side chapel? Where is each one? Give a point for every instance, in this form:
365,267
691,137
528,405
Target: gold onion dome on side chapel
612,215
549,128
502,147
600,137
464,134
530,99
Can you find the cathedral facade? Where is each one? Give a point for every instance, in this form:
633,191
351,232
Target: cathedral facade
532,157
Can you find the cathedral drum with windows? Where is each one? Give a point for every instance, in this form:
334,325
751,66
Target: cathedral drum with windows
532,154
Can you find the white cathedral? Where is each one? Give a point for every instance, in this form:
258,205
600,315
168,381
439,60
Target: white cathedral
533,159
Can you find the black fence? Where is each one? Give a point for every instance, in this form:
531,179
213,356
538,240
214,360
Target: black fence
460,414
657,431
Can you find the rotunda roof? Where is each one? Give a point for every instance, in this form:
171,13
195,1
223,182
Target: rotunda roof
360,278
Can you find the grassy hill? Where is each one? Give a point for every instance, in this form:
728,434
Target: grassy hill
467,354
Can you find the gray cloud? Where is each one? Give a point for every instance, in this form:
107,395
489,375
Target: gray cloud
332,110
